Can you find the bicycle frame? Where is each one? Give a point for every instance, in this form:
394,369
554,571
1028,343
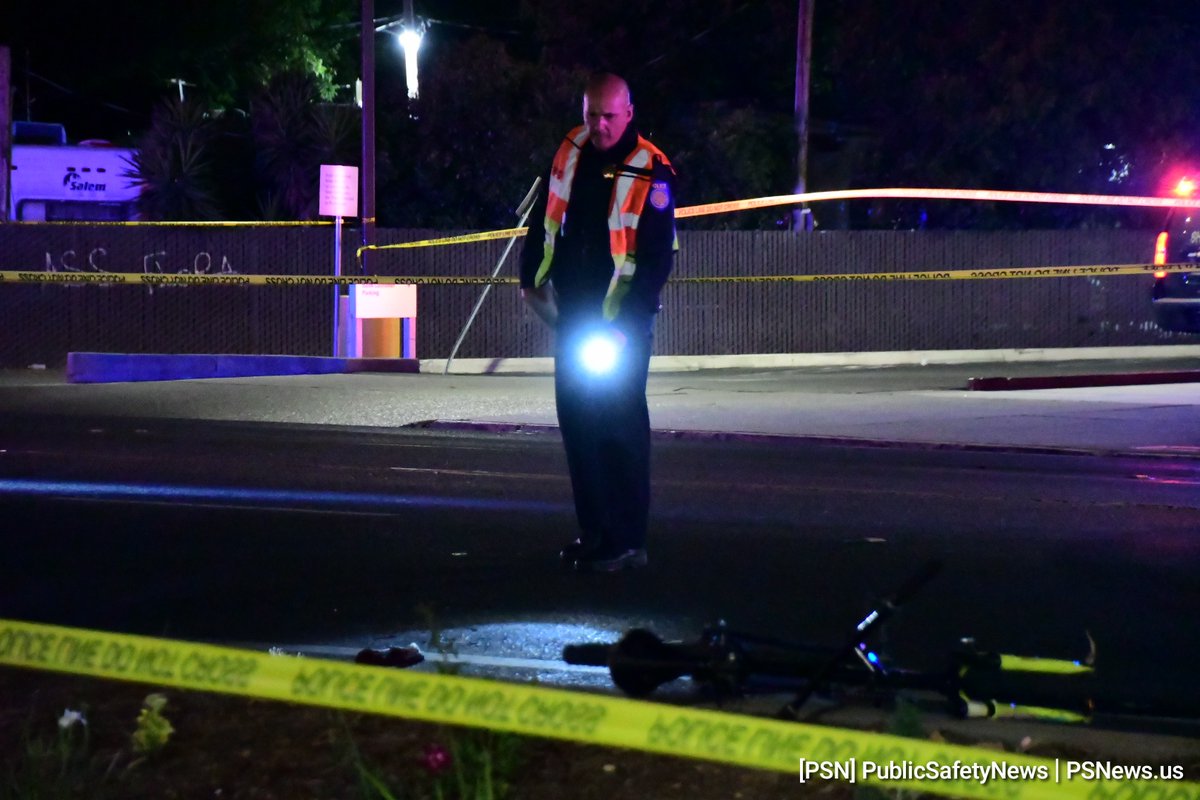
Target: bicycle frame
975,683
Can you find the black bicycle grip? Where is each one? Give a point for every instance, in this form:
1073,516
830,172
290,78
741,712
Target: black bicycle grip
587,655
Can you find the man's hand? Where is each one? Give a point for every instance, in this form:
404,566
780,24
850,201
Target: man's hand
541,301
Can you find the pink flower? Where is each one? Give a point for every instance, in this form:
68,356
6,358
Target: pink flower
435,758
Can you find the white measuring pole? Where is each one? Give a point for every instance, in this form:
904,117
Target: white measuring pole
523,211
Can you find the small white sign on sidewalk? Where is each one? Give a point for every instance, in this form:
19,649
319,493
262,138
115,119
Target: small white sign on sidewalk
393,310
371,301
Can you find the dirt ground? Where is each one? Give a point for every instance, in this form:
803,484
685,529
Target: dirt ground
228,747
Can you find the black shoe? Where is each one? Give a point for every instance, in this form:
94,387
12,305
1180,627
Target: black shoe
606,562
391,657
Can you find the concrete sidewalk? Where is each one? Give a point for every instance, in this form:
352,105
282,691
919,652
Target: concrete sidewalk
862,408
909,405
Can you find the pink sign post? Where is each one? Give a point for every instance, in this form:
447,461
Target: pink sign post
338,199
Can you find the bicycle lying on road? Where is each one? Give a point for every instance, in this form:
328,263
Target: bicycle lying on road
974,682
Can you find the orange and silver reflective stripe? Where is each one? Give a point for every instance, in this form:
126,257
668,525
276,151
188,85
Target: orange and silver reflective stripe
562,175
628,202
625,209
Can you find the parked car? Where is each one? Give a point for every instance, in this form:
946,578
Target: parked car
1176,295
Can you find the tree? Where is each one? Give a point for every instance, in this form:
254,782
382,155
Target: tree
733,152
293,133
233,47
712,82
102,67
483,129
1007,94
174,164
1015,95
195,163
492,110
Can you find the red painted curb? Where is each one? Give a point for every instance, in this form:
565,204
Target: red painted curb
1081,381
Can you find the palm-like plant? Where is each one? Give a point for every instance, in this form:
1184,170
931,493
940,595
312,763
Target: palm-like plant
293,135
336,131
173,164
190,162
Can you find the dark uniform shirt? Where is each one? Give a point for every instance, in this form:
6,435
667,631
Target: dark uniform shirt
583,266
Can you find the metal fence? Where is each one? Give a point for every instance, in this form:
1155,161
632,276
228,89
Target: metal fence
42,323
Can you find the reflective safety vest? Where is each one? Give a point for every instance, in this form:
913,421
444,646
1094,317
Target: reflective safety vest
630,191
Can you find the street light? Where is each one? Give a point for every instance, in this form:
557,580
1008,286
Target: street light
410,40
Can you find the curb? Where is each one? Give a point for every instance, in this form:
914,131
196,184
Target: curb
89,367
136,367
892,358
1081,381
542,429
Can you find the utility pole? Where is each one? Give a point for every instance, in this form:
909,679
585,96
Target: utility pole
5,128
28,91
802,219
367,173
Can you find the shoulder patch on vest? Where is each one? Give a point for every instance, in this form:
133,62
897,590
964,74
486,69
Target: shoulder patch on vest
660,195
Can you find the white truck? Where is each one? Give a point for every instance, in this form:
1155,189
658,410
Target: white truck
50,180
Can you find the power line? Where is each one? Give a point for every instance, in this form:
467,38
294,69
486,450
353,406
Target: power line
695,39
73,93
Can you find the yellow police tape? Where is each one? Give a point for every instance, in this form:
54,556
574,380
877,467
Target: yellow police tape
984,195
713,208
896,762
184,223
237,279
484,236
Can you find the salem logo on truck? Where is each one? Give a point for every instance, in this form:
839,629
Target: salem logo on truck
74,183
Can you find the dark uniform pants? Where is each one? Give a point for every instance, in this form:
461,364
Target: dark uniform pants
605,427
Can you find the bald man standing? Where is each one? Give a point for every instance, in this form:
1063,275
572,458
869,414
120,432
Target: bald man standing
601,244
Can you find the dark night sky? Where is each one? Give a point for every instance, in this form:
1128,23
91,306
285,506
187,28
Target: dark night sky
1022,94
83,62
88,63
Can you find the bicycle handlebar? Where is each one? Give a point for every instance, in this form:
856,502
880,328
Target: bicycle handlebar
862,631
587,655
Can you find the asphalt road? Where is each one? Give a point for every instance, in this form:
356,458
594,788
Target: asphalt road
330,537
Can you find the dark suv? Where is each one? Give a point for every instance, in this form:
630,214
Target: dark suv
1176,295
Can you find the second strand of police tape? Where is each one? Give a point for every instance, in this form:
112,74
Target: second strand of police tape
225,279
618,722
708,209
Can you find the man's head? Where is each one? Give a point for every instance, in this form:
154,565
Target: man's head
607,109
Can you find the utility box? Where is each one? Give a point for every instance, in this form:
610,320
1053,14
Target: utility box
383,321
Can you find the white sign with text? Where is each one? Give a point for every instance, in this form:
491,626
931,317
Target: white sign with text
339,191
